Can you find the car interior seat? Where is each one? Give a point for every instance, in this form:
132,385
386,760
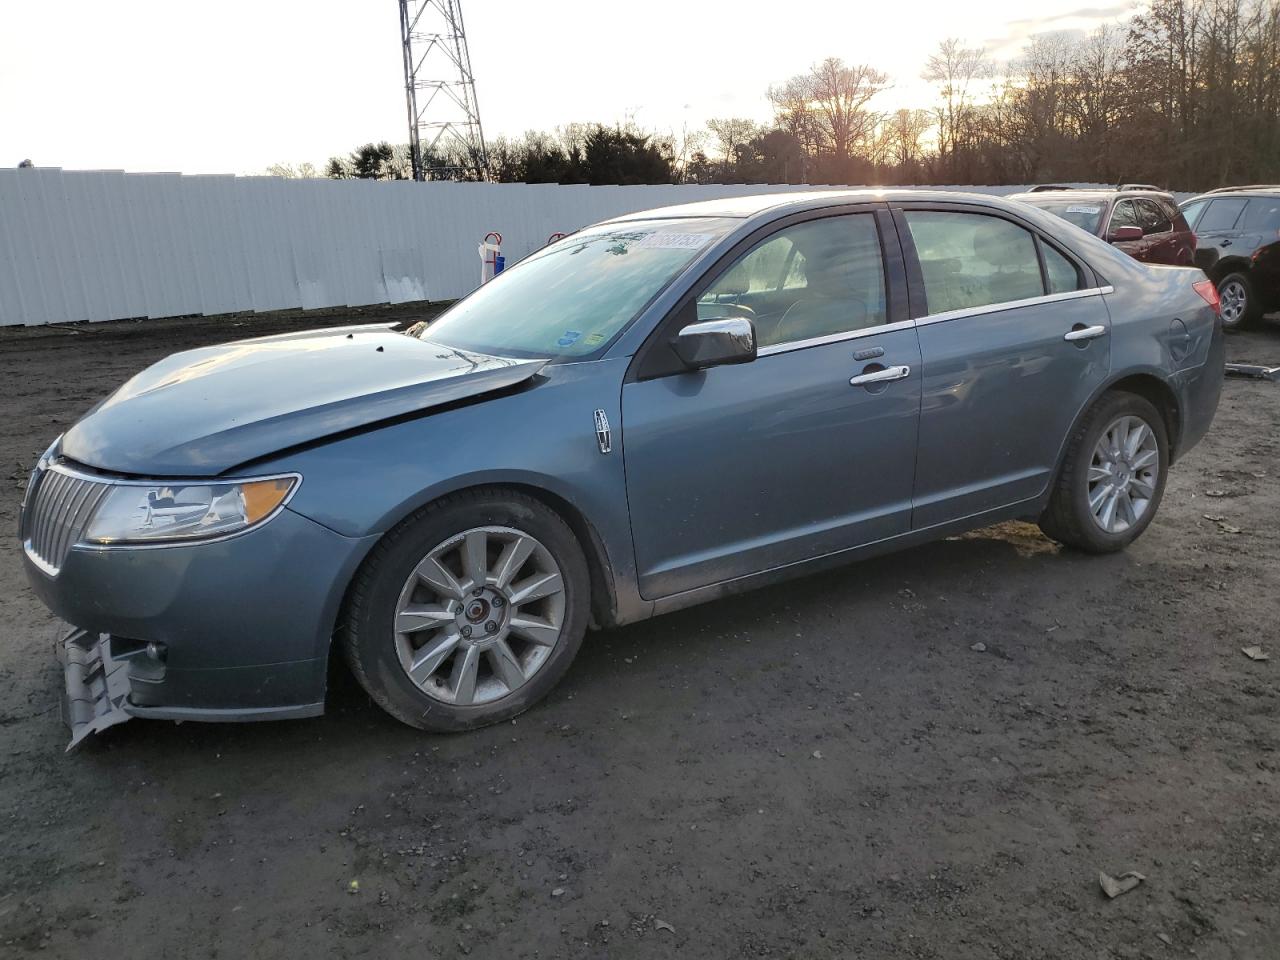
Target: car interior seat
829,304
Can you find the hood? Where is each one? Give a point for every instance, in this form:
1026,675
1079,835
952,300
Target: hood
202,412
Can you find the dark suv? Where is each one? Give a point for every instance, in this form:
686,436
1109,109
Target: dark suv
1142,221
1239,230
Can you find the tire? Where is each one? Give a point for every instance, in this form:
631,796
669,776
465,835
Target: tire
1241,307
513,651
1069,517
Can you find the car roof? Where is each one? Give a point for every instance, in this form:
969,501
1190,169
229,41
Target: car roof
1264,188
1041,195
743,207
1233,192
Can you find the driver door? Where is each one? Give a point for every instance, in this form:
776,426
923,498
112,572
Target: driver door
740,469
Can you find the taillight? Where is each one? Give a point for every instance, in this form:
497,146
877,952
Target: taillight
1209,293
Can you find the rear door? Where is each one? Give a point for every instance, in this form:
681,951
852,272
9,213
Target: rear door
1184,239
1161,243
807,450
1014,340
1216,231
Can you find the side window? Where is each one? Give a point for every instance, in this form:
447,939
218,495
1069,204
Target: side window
972,260
1222,214
1152,218
1262,215
1063,275
814,279
1191,212
1124,215
765,269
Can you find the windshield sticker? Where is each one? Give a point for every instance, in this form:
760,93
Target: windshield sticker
568,338
1080,208
593,338
674,241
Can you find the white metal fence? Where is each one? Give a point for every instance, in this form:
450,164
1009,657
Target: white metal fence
105,245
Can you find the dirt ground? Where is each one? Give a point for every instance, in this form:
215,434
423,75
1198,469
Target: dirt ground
825,769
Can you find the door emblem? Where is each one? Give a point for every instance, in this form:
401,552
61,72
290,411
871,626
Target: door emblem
603,435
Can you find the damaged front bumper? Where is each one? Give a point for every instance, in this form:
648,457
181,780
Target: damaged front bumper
225,631
95,687
106,681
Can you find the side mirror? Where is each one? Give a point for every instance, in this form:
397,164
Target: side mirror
712,343
1125,234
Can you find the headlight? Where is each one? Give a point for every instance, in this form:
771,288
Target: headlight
159,513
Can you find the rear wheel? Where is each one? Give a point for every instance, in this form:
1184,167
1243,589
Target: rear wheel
1240,306
1112,478
469,612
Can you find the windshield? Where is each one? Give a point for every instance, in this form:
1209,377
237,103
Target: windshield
568,300
1086,214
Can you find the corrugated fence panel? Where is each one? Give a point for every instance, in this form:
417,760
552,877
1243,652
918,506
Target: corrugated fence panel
103,244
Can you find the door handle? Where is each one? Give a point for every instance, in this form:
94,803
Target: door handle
1084,333
881,376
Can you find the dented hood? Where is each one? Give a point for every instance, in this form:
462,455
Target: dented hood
203,412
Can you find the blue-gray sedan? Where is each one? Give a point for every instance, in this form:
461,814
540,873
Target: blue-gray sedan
659,410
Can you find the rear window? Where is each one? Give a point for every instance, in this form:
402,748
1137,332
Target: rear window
1262,214
1222,214
1085,214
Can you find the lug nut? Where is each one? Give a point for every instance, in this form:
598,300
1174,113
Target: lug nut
497,601
466,631
491,627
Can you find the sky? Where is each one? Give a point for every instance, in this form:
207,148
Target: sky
237,85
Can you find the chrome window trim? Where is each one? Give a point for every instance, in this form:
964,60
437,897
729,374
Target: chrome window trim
1013,305
777,348
60,467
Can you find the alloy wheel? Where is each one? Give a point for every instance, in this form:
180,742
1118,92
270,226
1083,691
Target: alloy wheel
1123,474
1234,302
479,615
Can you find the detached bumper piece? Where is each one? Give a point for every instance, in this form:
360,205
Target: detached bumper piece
96,687
1253,371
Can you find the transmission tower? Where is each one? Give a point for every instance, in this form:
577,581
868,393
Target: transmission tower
440,89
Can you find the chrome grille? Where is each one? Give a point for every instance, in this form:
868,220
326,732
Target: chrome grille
57,513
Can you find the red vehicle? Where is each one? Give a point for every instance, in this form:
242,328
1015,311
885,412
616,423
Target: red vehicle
1143,222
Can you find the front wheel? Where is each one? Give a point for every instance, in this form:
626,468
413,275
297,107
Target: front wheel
1112,478
469,612
1239,305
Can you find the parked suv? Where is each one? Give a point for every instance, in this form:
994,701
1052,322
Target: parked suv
1239,229
1142,221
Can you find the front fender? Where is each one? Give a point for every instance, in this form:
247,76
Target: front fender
542,439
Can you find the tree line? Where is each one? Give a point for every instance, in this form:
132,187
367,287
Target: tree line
1186,95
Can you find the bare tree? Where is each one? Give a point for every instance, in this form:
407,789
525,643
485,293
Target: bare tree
906,130
793,111
957,70
290,171
732,133
841,95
